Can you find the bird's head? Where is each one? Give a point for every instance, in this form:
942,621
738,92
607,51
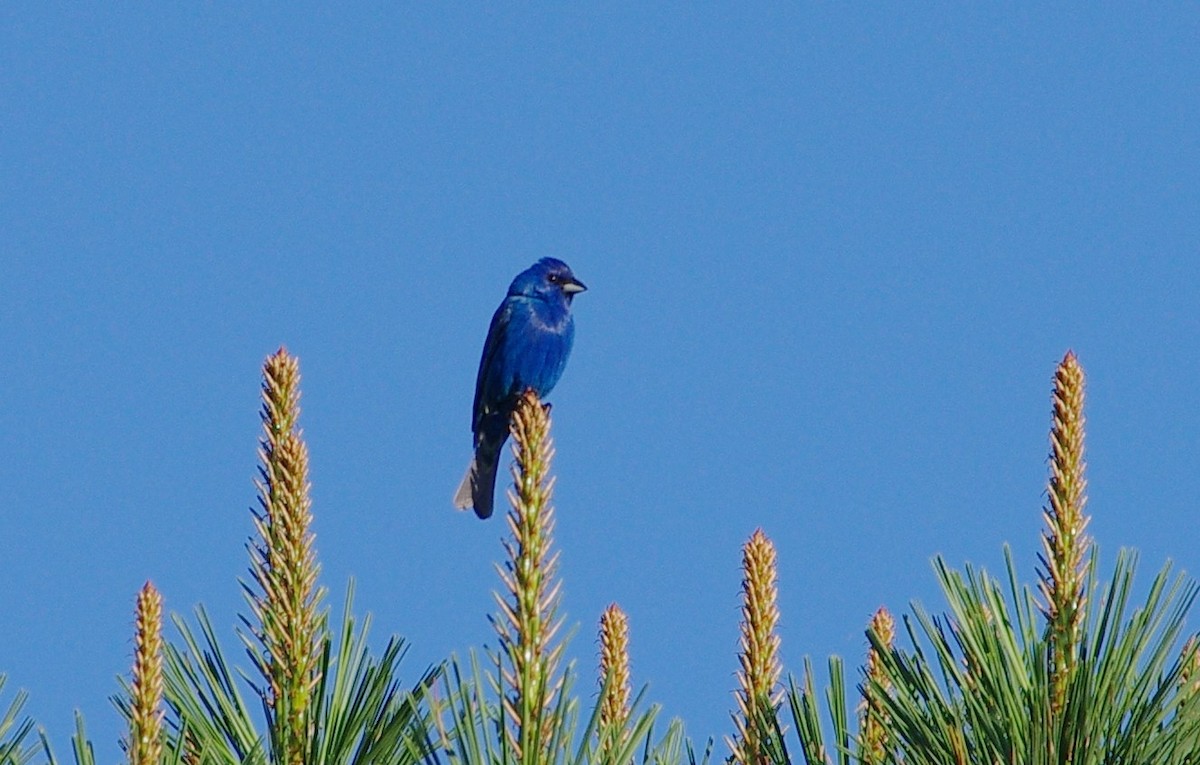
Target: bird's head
548,279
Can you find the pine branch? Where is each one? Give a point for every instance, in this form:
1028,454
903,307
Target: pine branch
283,565
146,688
1065,558
528,622
759,693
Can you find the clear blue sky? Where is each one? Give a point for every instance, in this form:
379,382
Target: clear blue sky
834,255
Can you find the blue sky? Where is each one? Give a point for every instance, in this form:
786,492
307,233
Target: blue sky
834,256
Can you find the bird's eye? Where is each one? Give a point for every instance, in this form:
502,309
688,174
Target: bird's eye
554,278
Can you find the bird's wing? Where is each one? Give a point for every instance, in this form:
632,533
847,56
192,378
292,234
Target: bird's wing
488,387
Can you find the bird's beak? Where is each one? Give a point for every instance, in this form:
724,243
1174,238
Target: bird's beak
574,286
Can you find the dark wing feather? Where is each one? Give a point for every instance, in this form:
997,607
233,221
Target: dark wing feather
486,395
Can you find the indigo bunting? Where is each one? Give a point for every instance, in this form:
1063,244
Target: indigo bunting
526,349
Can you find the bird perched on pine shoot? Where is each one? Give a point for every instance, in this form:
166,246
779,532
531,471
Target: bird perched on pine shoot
526,349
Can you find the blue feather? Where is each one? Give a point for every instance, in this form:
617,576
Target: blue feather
527,346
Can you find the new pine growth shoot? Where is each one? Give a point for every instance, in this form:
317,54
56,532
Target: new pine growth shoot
874,726
1064,558
614,678
759,692
528,622
146,689
284,566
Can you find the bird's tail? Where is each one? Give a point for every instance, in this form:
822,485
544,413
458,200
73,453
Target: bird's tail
479,484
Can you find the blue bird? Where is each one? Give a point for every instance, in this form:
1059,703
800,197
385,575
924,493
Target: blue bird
526,349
